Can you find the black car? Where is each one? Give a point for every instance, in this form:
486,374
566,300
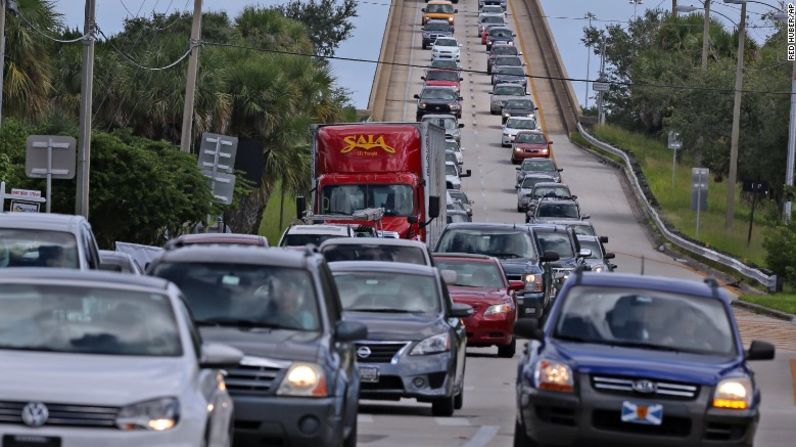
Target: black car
539,166
500,50
599,260
507,60
509,75
519,254
562,241
438,100
552,209
298,382
416,347
461,196
545,189
517,107
496,36
435,28
446,64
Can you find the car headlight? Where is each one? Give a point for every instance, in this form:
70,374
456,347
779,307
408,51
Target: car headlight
433,345
304,380
534,282
455,107
553,376
598,268
733,394
517,149
498,311
422,105
157,415
450,19
506,114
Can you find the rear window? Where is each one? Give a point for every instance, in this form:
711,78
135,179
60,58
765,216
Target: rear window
562,210
38,248
388,292
346,252
502,244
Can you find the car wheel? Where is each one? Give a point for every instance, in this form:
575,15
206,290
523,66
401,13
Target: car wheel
351,439
458,401
443,407
507,351
519,209
521,438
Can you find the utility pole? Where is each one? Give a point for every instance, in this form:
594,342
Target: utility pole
2,53
601,98
86,95
736,122
674,8
706,37
589,15
791,144
190,85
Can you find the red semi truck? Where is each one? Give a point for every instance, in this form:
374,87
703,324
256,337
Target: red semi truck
399,167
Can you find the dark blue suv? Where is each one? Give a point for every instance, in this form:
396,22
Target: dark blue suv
637,360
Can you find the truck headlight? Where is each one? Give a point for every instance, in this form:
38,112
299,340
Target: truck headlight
304,380
157,415
733,394
433,345
553,376
506,114
498,311
455,107
422,105
534,282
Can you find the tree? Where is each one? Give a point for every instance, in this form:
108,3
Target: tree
329,24
780,244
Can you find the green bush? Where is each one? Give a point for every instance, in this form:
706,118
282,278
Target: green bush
781,258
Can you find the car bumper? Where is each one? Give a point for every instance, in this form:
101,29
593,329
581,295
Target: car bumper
507,139
522,155
530,305
288,420
403,378
183,435
482,332
595,419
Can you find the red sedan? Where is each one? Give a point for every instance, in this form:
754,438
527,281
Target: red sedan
443,78
480,282
530,144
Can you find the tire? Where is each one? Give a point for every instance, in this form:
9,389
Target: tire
443,407
351,440
507,351
519,210
521,438
458,401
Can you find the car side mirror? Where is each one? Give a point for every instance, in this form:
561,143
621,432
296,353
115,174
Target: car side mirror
423,10
760,350
550,256
417,96
585,217
461,125
609,256
528,328
347,331
603,239
560,169
422,78
461,79
411,219
433,207
574,197
449,276
301,205
467,173
461,98
584,253
219,356
455,11
517,168
459,310
516,284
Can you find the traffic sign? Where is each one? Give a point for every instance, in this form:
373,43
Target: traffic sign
600,86
222,186
217,162
51,154
675,143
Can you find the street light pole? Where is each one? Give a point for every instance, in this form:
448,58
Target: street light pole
590,16
86,95
706,37
736,119
190,85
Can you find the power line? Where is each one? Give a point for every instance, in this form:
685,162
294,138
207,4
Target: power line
472,71
13,7
137,64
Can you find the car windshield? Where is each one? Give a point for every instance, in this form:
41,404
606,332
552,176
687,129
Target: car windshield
300,240
374,252
450,156
529,182
508,60
509,70
442,75
492,19
438,8
492,10
594,246
500,32
87,320
453,146
509,90
519,104
562,210
397,200
437,27
514,123
500,50
37,248
473,273
558,243
450,169
530,138
551,191
388,292
438,93
459,195
538,165
441,42
502,244
245,295
646,319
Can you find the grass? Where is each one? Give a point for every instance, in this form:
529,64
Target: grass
675,202
785,302
270,226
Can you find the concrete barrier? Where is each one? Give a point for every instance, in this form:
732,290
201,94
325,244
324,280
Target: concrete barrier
383,74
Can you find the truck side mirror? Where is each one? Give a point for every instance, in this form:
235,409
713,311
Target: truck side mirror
466,173
461,125
423,78
609,256
416,96
301,205
603,239
433,207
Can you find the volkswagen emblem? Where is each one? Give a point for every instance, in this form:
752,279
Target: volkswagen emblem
35,414
644,386
363,352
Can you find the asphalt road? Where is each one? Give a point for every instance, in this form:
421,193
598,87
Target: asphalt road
488,415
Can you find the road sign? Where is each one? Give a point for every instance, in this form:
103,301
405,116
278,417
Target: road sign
217,162
675,143
24,207
600,86
50,157
222,186
699,193
32,193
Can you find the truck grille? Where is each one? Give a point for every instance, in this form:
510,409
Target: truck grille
628,386
64,415
378,352
252,380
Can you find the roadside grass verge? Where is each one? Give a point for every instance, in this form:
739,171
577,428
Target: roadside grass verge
785,302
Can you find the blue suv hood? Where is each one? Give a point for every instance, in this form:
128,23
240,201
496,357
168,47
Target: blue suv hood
607,360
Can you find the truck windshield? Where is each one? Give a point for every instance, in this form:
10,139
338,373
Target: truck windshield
397,200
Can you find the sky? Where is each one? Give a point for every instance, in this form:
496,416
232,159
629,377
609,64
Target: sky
565,17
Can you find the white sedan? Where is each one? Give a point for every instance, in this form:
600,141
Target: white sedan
106,359
446,48
515,125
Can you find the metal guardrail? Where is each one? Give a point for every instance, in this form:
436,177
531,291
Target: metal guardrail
769,281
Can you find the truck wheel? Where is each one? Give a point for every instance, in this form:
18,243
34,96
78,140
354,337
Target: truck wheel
507,351
521,438
443,407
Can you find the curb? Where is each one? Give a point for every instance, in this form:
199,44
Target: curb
758,309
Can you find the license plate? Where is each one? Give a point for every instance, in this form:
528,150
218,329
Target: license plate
368,374
30,441
642,413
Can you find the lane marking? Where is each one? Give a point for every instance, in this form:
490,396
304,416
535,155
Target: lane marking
483,436
452,422
364,418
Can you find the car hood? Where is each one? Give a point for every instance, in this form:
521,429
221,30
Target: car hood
439,101
477,297
512,131
524,146
502,98
554,219
437,34
518,111
596,359
446,49
385,326
520,266
275,344
113,380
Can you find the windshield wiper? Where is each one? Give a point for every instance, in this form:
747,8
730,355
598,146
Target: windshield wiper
380,310
237,322
642,345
